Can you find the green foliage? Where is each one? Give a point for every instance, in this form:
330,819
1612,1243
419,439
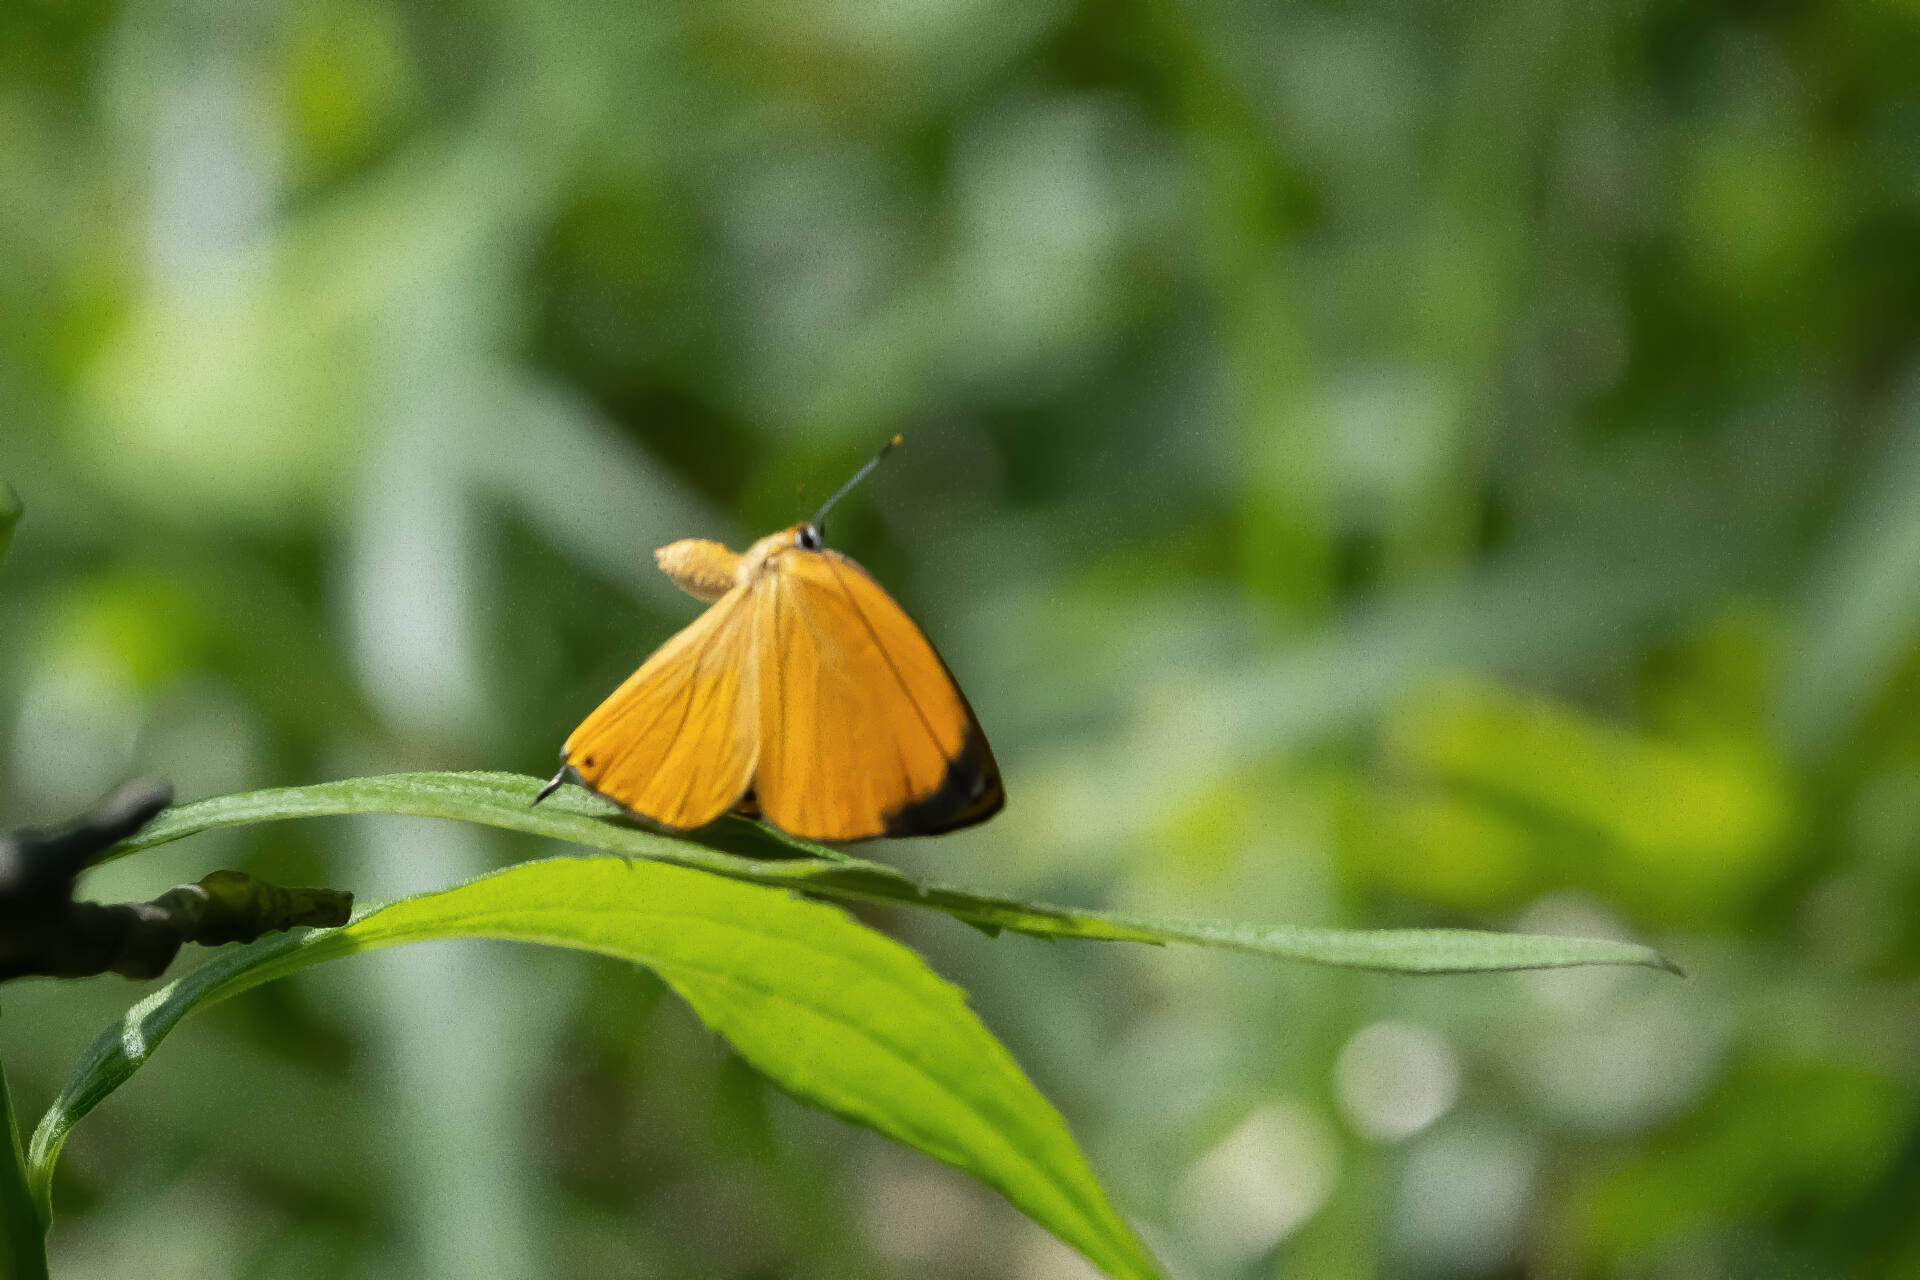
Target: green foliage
23,1254
578,816
1368,467
832,1012
1791,1137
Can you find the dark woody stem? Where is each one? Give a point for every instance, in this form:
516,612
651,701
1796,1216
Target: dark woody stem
44,932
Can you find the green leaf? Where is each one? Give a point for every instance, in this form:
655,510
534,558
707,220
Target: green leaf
23,1245
839,1016
746,851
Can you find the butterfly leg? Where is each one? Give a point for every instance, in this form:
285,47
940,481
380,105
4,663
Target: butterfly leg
559,780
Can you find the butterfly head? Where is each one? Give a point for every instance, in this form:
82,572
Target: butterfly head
764,554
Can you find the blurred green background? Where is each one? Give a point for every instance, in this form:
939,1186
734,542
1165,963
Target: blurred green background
1369,464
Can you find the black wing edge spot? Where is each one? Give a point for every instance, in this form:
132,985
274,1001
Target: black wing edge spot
969,793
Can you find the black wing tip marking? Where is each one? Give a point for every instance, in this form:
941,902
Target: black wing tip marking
969,793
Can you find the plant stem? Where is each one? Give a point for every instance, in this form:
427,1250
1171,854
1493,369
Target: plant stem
23,1236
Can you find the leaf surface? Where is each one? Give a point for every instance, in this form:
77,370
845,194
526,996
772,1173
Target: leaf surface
836,1014
747,851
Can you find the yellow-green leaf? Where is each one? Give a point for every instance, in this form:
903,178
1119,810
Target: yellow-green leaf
837,1015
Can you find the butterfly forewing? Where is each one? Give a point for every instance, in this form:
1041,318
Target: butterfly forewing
676,743
862,729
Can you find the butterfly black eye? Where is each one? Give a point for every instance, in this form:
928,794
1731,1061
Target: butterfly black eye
808,539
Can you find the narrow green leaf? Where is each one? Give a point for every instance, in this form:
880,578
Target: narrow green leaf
837,1015
23,1235
757,854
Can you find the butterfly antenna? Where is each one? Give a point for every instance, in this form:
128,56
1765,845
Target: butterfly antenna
858,476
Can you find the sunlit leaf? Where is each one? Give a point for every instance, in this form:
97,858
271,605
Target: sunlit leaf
834,1013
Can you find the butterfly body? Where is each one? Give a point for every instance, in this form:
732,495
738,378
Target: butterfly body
803,694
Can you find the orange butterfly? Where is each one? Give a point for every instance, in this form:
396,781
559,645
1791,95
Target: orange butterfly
804,694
